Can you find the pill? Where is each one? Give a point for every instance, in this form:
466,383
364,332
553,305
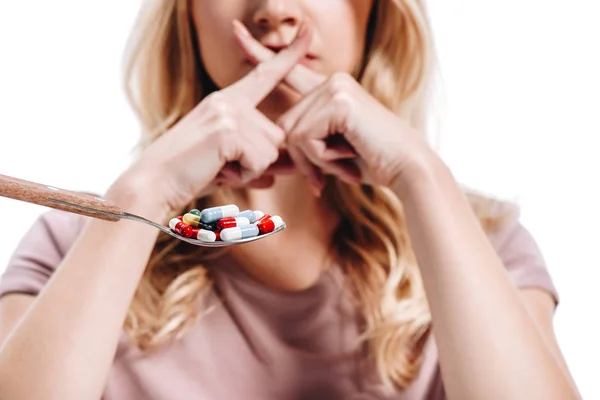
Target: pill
184,230
204,235
180,228
251,215
174,222
195,212
277,220
232,222
214,214
180,218
259,214
191,219
268,223
210,227
239,232
264,217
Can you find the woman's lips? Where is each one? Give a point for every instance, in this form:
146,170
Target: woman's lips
308,60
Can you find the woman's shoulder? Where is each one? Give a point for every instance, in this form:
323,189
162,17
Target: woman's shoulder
492,212
514,243
500,219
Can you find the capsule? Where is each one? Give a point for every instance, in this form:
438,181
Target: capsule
195,211
209,227
248,214
239,232
204,235
264,217
268,223
232,222
191,219
214,214
181,228
259,214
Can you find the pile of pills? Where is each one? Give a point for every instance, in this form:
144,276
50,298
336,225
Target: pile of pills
225,223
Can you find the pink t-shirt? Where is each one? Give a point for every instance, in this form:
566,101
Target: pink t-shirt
260,343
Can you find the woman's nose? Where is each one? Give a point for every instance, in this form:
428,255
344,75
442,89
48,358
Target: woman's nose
271,14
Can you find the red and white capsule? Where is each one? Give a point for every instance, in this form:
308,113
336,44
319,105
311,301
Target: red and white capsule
232,222
204,234
179,227
268,223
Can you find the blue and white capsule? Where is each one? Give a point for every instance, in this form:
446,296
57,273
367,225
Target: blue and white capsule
251,215
214,214
206,235
239,232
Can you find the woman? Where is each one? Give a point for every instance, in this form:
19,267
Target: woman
383,286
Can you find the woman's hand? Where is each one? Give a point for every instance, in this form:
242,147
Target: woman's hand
339,128
223,140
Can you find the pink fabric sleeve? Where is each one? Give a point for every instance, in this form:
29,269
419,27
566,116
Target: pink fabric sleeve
522,256
40,252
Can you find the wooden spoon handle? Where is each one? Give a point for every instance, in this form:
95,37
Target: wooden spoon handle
43,195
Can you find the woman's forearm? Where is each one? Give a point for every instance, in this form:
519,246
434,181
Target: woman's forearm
489,347
65,344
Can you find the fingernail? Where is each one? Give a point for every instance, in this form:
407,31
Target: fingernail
240,29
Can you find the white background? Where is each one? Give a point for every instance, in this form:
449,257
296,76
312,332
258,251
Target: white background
520,120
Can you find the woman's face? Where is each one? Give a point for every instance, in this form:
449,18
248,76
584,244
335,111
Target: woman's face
338,26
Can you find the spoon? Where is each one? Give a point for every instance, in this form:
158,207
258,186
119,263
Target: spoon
95,207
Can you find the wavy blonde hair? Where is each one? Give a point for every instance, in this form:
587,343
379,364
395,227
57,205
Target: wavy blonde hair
165,80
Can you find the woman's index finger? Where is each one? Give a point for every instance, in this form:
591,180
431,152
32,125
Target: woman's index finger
301,78
261,81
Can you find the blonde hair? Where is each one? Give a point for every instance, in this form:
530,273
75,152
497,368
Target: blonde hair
166,80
